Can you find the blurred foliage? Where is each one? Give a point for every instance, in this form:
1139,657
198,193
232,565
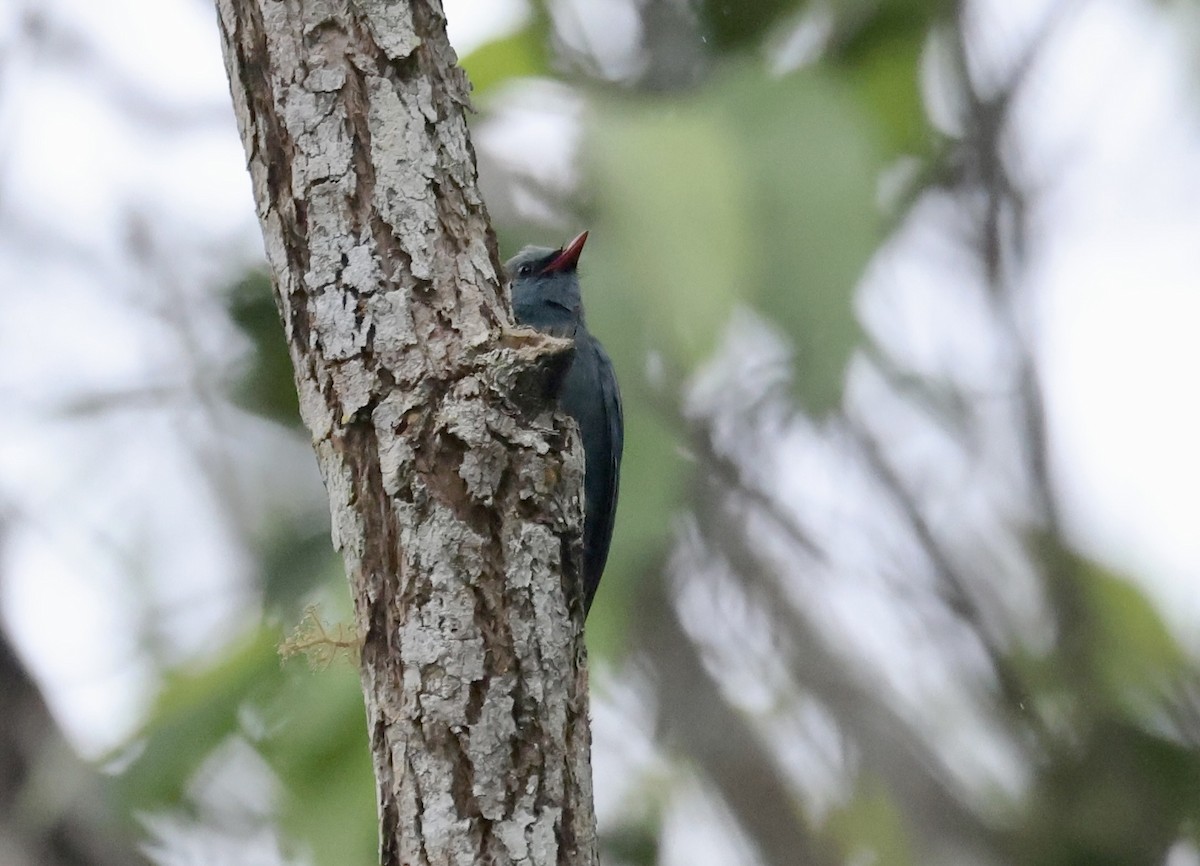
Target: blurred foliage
194,713
881,60
296,557
266,386
644,517
1120,797
777,182
522,54
1131,654
756,187
871,825
322,756
308,725
729,25
636,845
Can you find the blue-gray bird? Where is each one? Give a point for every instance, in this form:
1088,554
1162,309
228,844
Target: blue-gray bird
545,295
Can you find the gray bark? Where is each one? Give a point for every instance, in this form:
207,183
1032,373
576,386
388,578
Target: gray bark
456,512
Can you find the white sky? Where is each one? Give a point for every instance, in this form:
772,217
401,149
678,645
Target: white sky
1120,111
1117,107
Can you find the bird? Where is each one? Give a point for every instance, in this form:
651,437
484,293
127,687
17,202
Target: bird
547,298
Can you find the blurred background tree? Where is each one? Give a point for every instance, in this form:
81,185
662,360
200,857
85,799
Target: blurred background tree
899,294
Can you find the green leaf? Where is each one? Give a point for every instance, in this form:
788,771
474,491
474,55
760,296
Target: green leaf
674,219
730,24
1117,797
757,190
519,55
295,556
1133,652
323,757
316,743
814,160
871,828
195,713
266,385
882,64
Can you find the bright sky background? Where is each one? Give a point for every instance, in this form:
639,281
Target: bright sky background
1117,106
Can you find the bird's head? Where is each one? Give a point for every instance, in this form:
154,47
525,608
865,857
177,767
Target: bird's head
545,287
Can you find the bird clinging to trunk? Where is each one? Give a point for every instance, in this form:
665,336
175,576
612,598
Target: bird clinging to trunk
546,297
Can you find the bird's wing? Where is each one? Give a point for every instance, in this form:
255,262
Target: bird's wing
610,399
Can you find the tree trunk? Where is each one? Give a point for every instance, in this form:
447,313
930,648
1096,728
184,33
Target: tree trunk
454,489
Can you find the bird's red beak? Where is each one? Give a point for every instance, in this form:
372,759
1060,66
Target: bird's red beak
568,257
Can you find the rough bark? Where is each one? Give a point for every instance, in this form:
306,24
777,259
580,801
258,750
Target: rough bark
454,507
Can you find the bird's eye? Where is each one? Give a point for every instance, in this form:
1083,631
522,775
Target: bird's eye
525,270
